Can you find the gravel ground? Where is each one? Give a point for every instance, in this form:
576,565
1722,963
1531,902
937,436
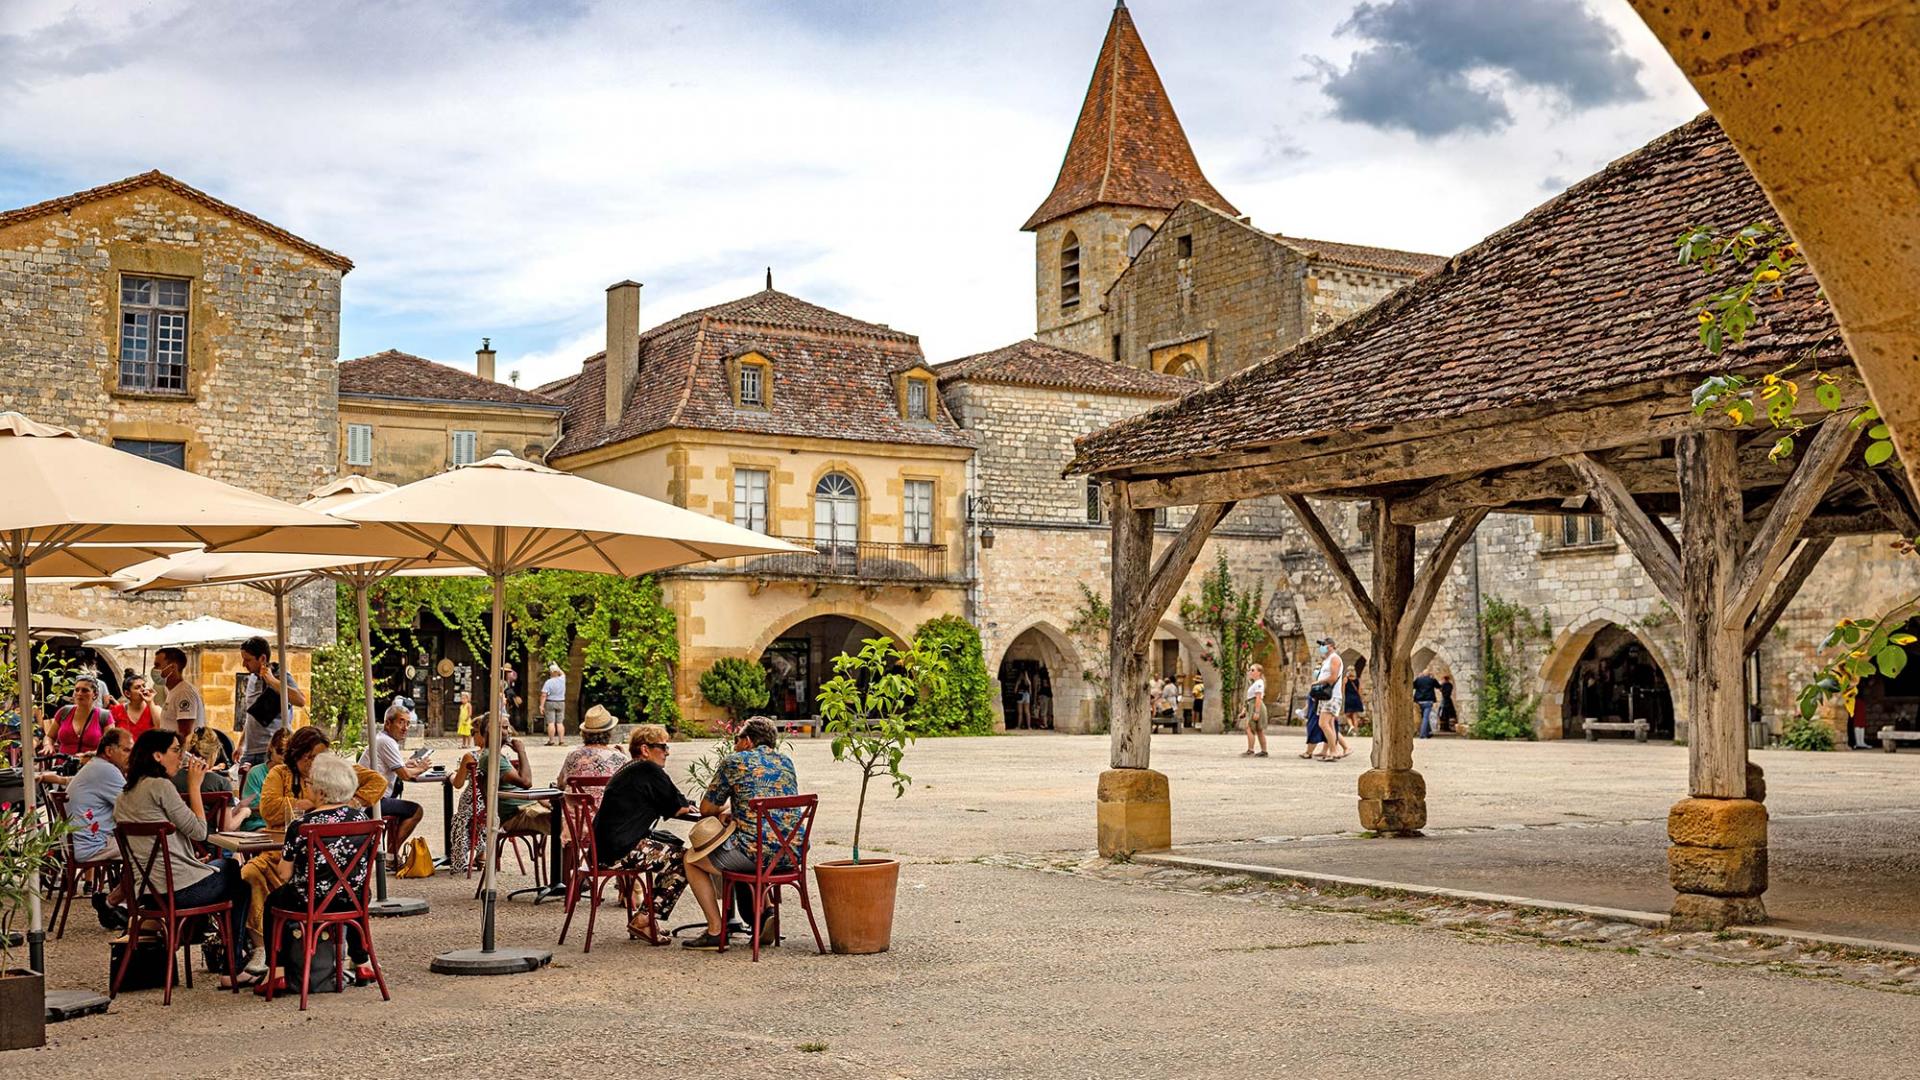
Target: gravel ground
1048,964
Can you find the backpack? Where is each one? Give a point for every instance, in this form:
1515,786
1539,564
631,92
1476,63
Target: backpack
415,860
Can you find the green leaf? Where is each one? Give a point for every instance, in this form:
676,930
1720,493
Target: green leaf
1878,453
1782,448
1828,395
1891,660
1879,432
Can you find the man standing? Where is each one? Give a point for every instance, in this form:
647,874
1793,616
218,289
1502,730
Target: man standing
1426,693
184,710
137,713
384,757
510,682
553,705
260,714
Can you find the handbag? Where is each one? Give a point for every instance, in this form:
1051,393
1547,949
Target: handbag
415,860
1321,692
150,962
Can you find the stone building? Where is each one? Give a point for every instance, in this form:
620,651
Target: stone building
151,316
404,418
796,421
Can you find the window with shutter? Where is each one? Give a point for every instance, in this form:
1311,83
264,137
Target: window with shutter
464,445
918,516
359,444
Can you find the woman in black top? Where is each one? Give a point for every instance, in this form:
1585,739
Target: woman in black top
638,797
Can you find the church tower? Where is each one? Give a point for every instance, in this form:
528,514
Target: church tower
1127,165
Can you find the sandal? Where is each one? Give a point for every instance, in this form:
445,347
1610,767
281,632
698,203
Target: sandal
1308,756
1246,753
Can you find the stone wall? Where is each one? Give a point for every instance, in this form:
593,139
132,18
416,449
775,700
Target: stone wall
413,440
263,336
1335,293
1235,300
1102,232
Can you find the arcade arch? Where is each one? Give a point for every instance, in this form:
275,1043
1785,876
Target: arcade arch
1042,662
1602,670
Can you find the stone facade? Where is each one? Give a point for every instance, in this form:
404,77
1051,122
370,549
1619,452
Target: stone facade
412,440
1100,236
262,337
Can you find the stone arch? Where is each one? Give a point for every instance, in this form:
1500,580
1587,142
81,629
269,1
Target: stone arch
1429,655
1184,366
1565,652
1212,713
1072,695
850,609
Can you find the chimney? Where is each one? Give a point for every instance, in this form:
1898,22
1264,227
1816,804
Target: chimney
483,359
623,345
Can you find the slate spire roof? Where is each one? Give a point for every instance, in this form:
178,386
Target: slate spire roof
1128,148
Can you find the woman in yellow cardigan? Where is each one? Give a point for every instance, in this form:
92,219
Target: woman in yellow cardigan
281,798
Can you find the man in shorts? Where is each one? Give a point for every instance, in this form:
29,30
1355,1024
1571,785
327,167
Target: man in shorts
553,705
384,756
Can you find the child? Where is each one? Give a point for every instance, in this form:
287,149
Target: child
465,724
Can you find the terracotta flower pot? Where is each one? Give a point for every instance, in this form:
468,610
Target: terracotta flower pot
857,900
23,1010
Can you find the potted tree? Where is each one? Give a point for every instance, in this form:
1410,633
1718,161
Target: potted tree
26,852
865,708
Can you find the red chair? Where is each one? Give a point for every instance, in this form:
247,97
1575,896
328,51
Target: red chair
320,915
775,846
214,805
152,901
585,871
74,871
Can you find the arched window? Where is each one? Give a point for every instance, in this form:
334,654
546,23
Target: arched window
1069,271
1186,367
836,515
1137,240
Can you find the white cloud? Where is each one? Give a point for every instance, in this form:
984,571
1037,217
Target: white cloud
492,167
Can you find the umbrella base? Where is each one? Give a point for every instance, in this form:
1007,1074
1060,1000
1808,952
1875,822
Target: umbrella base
490,961
72,1004
394,907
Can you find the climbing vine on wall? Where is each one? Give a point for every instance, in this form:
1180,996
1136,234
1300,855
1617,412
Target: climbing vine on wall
1227,618
1089,631
1509,634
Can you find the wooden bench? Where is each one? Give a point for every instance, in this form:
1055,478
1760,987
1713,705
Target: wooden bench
1890,739
1595,727
1169,720
788,725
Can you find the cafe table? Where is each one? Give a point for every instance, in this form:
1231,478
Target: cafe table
552,796
248,843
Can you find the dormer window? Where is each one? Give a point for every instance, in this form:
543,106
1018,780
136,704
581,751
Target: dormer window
751,379
915,390
1069,272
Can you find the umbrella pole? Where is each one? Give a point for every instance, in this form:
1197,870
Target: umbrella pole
497,650
367,725
23,661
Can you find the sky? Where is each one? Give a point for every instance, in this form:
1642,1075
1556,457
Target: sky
492,165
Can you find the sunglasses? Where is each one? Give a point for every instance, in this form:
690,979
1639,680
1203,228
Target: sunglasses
657,746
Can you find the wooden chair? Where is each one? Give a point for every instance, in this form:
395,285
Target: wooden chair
153,901
74,871
585,872
779,858
321,914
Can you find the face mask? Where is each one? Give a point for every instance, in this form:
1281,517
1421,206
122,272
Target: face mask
1321,649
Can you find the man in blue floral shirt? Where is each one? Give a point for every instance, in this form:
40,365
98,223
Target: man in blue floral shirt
755,770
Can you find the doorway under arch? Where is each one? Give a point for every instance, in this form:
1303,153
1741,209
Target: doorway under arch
800,658
1615,677
1041,664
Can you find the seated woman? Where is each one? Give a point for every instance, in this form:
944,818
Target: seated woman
257,779
76,728
151,797
332,787
516,815
638,797
282,794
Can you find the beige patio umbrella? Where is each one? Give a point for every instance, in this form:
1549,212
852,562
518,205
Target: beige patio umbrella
504,516
67,500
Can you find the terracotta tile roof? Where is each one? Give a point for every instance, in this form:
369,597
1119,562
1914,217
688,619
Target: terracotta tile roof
394,374
1389,260
1128,148
832,379
156,178
1031,363
1583,296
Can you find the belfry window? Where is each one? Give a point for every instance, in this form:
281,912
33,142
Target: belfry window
1069,272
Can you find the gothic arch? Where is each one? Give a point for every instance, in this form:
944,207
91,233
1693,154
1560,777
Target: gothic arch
1209,674
1565,652
1047,627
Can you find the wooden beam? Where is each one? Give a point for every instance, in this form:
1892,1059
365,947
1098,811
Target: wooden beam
1316,530
1132,553
1170,570
1820,462
1426,584
1651,543
1889,493
1784,590
1712,684
1395,719
1834,525
1552,481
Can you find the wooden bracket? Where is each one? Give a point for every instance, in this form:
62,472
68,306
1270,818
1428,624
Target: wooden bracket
1804,560
1171,568
1889,494
1426,586
1819,464
1337,559
1647,537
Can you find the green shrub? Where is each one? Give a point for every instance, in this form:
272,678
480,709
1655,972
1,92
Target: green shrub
958,699
736,685
1508,632
1806,733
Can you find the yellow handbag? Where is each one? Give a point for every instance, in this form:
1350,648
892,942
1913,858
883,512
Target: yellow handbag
415,860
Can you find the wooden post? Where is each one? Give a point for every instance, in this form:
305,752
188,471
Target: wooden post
1718,859
1134,810
1393,797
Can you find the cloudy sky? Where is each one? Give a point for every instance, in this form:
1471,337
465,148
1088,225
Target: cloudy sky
492,165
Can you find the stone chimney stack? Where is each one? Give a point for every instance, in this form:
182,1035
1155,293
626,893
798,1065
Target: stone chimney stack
483,359
623,345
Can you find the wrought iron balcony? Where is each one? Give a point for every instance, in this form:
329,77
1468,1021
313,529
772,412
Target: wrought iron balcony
860,561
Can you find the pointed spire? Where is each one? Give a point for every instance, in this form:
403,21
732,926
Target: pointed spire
1128,148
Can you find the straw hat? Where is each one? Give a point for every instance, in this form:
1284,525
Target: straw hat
708,834
597,720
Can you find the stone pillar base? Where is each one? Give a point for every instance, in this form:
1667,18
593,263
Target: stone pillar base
1393,801
1717,862
1135,812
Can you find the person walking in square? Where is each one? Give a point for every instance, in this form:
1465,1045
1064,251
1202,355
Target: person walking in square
1256,707
1426,695
553,705
1322,726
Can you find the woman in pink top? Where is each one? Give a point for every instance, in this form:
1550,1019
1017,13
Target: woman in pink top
77,727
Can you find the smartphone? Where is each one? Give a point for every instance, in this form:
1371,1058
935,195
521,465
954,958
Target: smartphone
422,754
